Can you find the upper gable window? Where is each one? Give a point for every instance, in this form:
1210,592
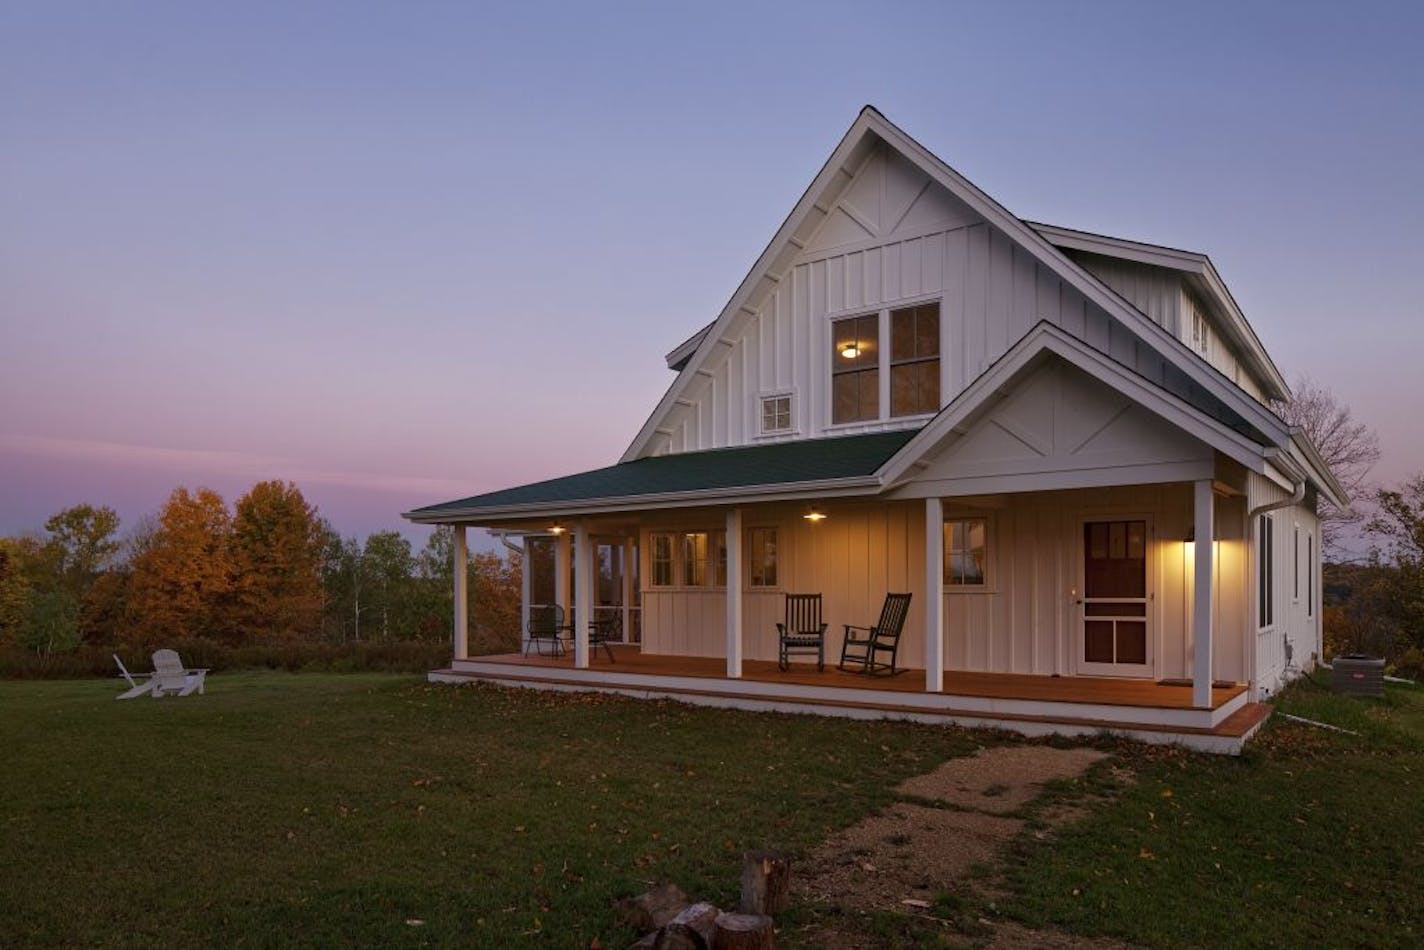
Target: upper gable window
855,369
914,360
1201,334
776,413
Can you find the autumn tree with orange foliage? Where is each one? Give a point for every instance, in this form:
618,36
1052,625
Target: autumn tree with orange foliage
183,576
276,555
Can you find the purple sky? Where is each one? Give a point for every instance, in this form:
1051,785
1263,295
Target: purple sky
406,252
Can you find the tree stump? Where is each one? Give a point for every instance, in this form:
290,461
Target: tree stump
650,910
743,932
766,883
693,929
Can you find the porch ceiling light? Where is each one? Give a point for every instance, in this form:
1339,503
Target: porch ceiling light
557,529
814,515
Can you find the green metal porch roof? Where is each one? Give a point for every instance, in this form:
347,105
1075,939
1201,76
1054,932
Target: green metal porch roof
782,463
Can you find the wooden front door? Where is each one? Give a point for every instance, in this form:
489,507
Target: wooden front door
1116,638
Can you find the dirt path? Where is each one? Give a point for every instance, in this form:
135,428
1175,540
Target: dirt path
921,855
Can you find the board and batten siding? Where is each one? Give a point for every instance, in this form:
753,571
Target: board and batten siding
893,239
1291,644
1024,621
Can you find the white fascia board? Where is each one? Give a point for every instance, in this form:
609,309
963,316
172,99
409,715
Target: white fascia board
787,491
871,123
1305,454
838,159
1046,338
1090,286
1188,262
686,348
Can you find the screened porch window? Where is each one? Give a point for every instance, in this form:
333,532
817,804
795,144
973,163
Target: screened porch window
662,560
761,547
914,360
855,369
966,546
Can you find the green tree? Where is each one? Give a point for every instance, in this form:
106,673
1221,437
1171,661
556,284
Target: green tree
84,540
277,544
183,573
1397,599
51,622
15,591
386,570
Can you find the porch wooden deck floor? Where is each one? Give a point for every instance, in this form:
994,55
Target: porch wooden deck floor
1071,689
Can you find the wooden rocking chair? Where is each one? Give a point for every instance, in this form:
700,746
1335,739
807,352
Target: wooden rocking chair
802,632
862,651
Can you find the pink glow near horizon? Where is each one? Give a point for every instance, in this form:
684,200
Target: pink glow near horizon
425,257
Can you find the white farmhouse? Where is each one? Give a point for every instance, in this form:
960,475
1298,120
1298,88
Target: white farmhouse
1059,444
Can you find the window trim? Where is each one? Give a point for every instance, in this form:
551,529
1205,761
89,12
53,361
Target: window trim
1310,575
752,555
883,310
1265,573
1295,563
984,586
792,428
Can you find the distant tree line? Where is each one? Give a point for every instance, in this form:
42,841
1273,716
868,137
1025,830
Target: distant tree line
268,570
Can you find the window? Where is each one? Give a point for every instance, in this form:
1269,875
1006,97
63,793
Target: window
761,549
855,369
914,360
662,560
1201,334
965,551
1310,575
776,413
1295,564
1265,574
694,558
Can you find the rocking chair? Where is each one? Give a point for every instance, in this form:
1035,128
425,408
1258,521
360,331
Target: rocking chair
802,632
862,651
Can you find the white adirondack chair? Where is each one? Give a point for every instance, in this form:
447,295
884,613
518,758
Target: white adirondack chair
168,676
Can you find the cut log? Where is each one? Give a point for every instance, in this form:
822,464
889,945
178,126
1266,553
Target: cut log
649,911
693,929
744,932
766,883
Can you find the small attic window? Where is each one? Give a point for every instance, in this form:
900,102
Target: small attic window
776,413
1201,334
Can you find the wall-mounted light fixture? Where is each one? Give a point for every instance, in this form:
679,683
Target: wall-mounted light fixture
814,515
557,528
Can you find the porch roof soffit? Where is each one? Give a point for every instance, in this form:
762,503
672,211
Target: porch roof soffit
1027,355
869,128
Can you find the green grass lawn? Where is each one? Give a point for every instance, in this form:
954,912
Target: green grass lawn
1309,838
332,809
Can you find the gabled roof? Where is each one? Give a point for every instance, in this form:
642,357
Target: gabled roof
814,465
864,465
870,128
1201,277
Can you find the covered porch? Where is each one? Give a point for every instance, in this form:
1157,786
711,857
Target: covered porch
1032,705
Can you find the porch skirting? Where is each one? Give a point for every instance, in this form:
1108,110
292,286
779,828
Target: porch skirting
1029,705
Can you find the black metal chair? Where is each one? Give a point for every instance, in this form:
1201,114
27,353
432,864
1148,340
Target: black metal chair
602,632
802,632
884,637
546,625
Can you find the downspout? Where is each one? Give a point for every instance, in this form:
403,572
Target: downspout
503,538
1252,519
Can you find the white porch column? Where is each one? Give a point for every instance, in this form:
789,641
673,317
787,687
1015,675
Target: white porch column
583,593
561,572
461,572
627,589
1203,609
934,595
524,588
734,593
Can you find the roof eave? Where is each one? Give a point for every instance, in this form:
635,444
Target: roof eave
775,491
